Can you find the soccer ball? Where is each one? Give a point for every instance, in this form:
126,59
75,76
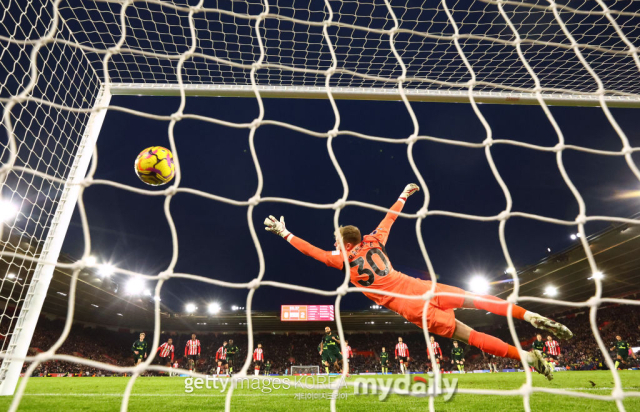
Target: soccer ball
154,165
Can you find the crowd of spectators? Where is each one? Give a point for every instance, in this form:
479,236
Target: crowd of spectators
287,349
97,344
581,352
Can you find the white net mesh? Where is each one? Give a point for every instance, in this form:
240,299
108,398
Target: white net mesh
295,52
52,75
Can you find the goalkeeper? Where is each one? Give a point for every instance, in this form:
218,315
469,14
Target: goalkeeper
370,269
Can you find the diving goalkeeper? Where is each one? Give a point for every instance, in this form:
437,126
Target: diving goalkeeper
370,269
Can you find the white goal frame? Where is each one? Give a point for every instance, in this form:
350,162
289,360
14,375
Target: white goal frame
316,367
370,93
28,318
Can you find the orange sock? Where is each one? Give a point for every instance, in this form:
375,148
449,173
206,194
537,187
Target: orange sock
492,345
512,353
499,307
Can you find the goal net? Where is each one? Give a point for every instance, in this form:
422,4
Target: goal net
305,370
61,61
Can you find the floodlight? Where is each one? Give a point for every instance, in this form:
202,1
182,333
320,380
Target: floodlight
8,210
106,270
134,286
213,308
479,284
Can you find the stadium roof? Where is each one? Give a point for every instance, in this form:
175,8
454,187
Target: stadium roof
615,251
103,301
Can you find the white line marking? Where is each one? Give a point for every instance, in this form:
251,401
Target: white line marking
218,394
80,395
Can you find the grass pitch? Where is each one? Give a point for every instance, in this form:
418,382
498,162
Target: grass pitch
164,393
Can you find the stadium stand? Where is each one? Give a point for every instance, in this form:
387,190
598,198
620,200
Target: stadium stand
299,348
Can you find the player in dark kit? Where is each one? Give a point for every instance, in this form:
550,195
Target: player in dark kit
384,360
326,355
538,344
139,349
333,344
232,351
267,367
457,356
327,359
622,349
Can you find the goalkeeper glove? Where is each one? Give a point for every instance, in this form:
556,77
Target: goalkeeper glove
410,189
277,227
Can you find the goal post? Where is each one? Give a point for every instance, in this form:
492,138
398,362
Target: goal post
27,319
305,370
49,95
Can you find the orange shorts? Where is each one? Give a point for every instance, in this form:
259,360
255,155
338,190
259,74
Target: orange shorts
441,319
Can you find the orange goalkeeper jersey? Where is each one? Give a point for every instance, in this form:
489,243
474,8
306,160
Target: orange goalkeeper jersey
370,267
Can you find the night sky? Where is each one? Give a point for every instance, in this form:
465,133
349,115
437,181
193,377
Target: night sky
129,230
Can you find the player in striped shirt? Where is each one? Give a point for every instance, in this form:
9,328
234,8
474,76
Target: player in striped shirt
435,349
165,350
349,351
192,351
221,357
402,353
370,270
258,359
552,350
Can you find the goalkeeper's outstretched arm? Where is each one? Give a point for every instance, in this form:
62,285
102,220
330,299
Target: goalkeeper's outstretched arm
382,231
332,259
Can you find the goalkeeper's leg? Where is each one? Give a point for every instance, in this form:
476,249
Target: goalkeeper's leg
495,305
495,346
